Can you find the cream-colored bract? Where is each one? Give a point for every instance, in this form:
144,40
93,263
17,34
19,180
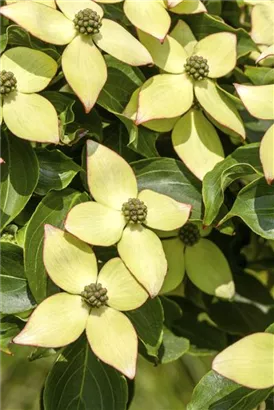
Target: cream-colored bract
267,154
49,3
249,362
112,182
262,22
258,100
197,143
268,52
203,262
83,65
23,110
62,318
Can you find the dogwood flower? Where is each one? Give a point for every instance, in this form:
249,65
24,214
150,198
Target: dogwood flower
184,250
162,99
24,72
90,301
122,215
152,16
80,25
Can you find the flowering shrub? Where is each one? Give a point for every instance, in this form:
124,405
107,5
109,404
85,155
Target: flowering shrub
137,200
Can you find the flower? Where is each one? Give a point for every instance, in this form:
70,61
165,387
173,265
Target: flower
112,218
162,99
24,72
83,65
90,301
184,250
152,16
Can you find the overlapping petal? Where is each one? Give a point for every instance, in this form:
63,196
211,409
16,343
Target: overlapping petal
95,223
56,322
267,154
41,21
70,263
164,96
268,52
183,34
113,339
249,361
163,212
124,292
72,7
174,251
218,106
49,3
220,51
142,252
149,16
258,100
32,69
110,178
119,43
24,114
189,7
208,269
169,55
85,70
197,143
262,21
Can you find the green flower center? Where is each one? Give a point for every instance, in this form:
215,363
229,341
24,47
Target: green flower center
197,68
189,234
87,22
95,295
7,82
135,211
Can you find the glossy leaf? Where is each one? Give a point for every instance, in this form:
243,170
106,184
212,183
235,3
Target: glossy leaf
78,378
17,184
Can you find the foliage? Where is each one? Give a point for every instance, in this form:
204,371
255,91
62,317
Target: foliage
137,200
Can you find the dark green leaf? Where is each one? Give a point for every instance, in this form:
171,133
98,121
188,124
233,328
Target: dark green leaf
148,322
53,210
260,75
251,288
79,381
9,329
243,161
204,24
40,353
172,347
239,318
170,177
15,296
17,182
215,392
134,73
172,311
56,171
254,205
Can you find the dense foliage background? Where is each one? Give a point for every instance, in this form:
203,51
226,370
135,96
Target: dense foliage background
225,171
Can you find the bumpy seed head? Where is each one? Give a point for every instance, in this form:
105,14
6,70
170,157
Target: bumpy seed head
135,211
197,68
189,234
8,82
87,22
95,295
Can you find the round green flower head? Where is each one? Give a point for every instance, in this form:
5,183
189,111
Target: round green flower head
87,22
7,82
197,68
189,234
135,211
95,295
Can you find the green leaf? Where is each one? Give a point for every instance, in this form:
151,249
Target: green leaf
204,24
148,322
17,182
15,296
243,161
239,318
52,210
172,347
254,205
134,73
260,75
79,381
215,392
56,171
251,288
170,177
9,329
